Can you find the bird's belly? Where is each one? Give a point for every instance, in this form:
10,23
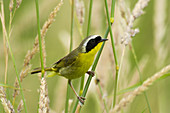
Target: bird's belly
77,69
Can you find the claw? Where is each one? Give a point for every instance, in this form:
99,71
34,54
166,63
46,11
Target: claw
81,99
91,73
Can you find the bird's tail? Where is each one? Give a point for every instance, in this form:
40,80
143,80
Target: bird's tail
38,70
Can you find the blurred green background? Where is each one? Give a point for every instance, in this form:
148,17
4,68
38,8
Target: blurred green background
24,31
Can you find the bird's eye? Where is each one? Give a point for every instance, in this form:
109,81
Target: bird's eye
93,41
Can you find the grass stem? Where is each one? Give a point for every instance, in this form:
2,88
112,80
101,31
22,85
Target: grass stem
67,98
11,53
72,26
105,105
71,47
140,76
39,37
104,101
89,17
13,60
113,46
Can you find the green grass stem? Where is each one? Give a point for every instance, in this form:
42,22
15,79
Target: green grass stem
140,76
79,27
72,26
18,78
11,17
39,37
13,59
89,18
71,46
104,101
67,98
113,8
75,106
113,46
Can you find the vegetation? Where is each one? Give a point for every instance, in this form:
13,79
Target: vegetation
132,68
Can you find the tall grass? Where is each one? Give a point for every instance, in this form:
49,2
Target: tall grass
7,36
122,71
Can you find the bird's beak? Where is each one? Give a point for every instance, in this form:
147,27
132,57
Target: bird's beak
102,40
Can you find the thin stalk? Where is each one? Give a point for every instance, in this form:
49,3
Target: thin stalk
121,59
5,49
136,63
78,26
39,38
105,105
88,30
71,46
81,85
10,20
113,47
67,98
72,25
12,13
115,87
12,56
120,65
89,19
5,52
75,106
13,60
140,75
9,31
6,60
113,8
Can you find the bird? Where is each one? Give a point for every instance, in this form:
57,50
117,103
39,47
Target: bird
77,62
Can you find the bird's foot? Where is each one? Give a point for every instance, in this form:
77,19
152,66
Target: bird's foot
81,99
92,73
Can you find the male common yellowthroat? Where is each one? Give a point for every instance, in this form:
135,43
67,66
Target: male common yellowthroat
77,62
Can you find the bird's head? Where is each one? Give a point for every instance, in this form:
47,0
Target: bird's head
90,43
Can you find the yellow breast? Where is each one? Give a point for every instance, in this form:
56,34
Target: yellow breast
86,59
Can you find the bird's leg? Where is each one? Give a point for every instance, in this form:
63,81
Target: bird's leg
91,73
81,99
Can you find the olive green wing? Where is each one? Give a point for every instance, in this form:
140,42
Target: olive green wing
66,61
